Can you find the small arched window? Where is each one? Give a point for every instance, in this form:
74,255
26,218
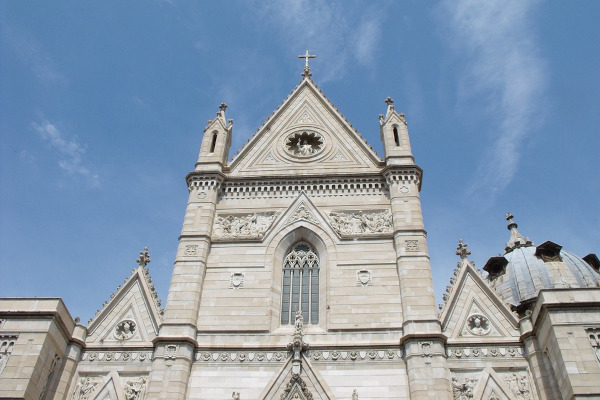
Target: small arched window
300,285
214,142
396,137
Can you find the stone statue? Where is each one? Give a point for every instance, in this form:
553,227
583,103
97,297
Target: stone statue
84,389
235,395
134,389
464,390
354,395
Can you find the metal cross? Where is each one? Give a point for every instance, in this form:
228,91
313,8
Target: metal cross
306,56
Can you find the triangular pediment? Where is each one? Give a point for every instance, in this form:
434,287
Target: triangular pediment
308,384
305,131
131,317
301,212
111,390
475,312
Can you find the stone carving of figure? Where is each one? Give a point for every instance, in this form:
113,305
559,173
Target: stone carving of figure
479,325
246,226
361,222
235,395
134,389
84,389
299,324
464,390
519,385
304,148
354,395
125,330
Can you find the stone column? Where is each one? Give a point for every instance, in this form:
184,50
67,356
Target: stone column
176,342
422,337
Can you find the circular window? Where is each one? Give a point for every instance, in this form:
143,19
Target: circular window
304,143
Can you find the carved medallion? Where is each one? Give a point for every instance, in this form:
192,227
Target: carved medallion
304,144
171,351
478,325
412,245
125,329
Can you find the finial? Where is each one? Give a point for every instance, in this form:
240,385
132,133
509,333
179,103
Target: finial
306,73
144,258
461,250
223,107
389,101
516,239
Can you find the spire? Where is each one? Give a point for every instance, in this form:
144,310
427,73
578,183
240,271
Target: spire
516,239
306,73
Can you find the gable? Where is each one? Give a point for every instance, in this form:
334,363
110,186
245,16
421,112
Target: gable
131,317
475,312
306,132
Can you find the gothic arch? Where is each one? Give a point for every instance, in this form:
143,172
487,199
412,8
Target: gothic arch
277,250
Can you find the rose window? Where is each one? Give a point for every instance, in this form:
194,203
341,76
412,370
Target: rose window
304,144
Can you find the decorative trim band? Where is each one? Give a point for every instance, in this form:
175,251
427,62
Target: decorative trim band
478,352
315,355
121,356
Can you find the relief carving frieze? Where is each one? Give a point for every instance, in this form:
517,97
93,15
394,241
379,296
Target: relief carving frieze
362,223
85,387
475,352
357,355
243,226
118,356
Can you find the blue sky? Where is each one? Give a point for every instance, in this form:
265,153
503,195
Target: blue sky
102,107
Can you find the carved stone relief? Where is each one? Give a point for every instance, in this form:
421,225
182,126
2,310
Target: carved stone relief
134,388
171,351
594,336
243,226
462,389
2,322
117,356
191,250
519,385
302,213
468,352
125,329
412,245
304,144
361,223
85,388
478,325
364,278
236,281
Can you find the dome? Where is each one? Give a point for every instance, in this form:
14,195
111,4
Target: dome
525,269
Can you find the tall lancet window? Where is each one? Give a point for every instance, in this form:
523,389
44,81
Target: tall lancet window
300,285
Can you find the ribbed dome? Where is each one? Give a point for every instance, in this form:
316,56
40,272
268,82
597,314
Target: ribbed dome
525,269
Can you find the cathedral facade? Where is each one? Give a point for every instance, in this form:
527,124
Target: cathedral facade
302,272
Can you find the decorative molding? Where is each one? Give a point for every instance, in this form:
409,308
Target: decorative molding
236,281
125,329
317,187
315,355
364,278
361,223
296,389
134,388
117,356
243,226
85,388
7,343
477,352
593,335
204,182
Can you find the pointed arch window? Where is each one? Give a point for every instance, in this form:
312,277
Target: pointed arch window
300,284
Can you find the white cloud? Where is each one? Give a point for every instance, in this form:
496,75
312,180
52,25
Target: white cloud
326,28
30,53
70,150
496,43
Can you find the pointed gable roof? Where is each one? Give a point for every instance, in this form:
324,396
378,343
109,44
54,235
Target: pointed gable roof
135,300
306,117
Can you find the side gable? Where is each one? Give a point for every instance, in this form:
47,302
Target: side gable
474,311
131,317
305,133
